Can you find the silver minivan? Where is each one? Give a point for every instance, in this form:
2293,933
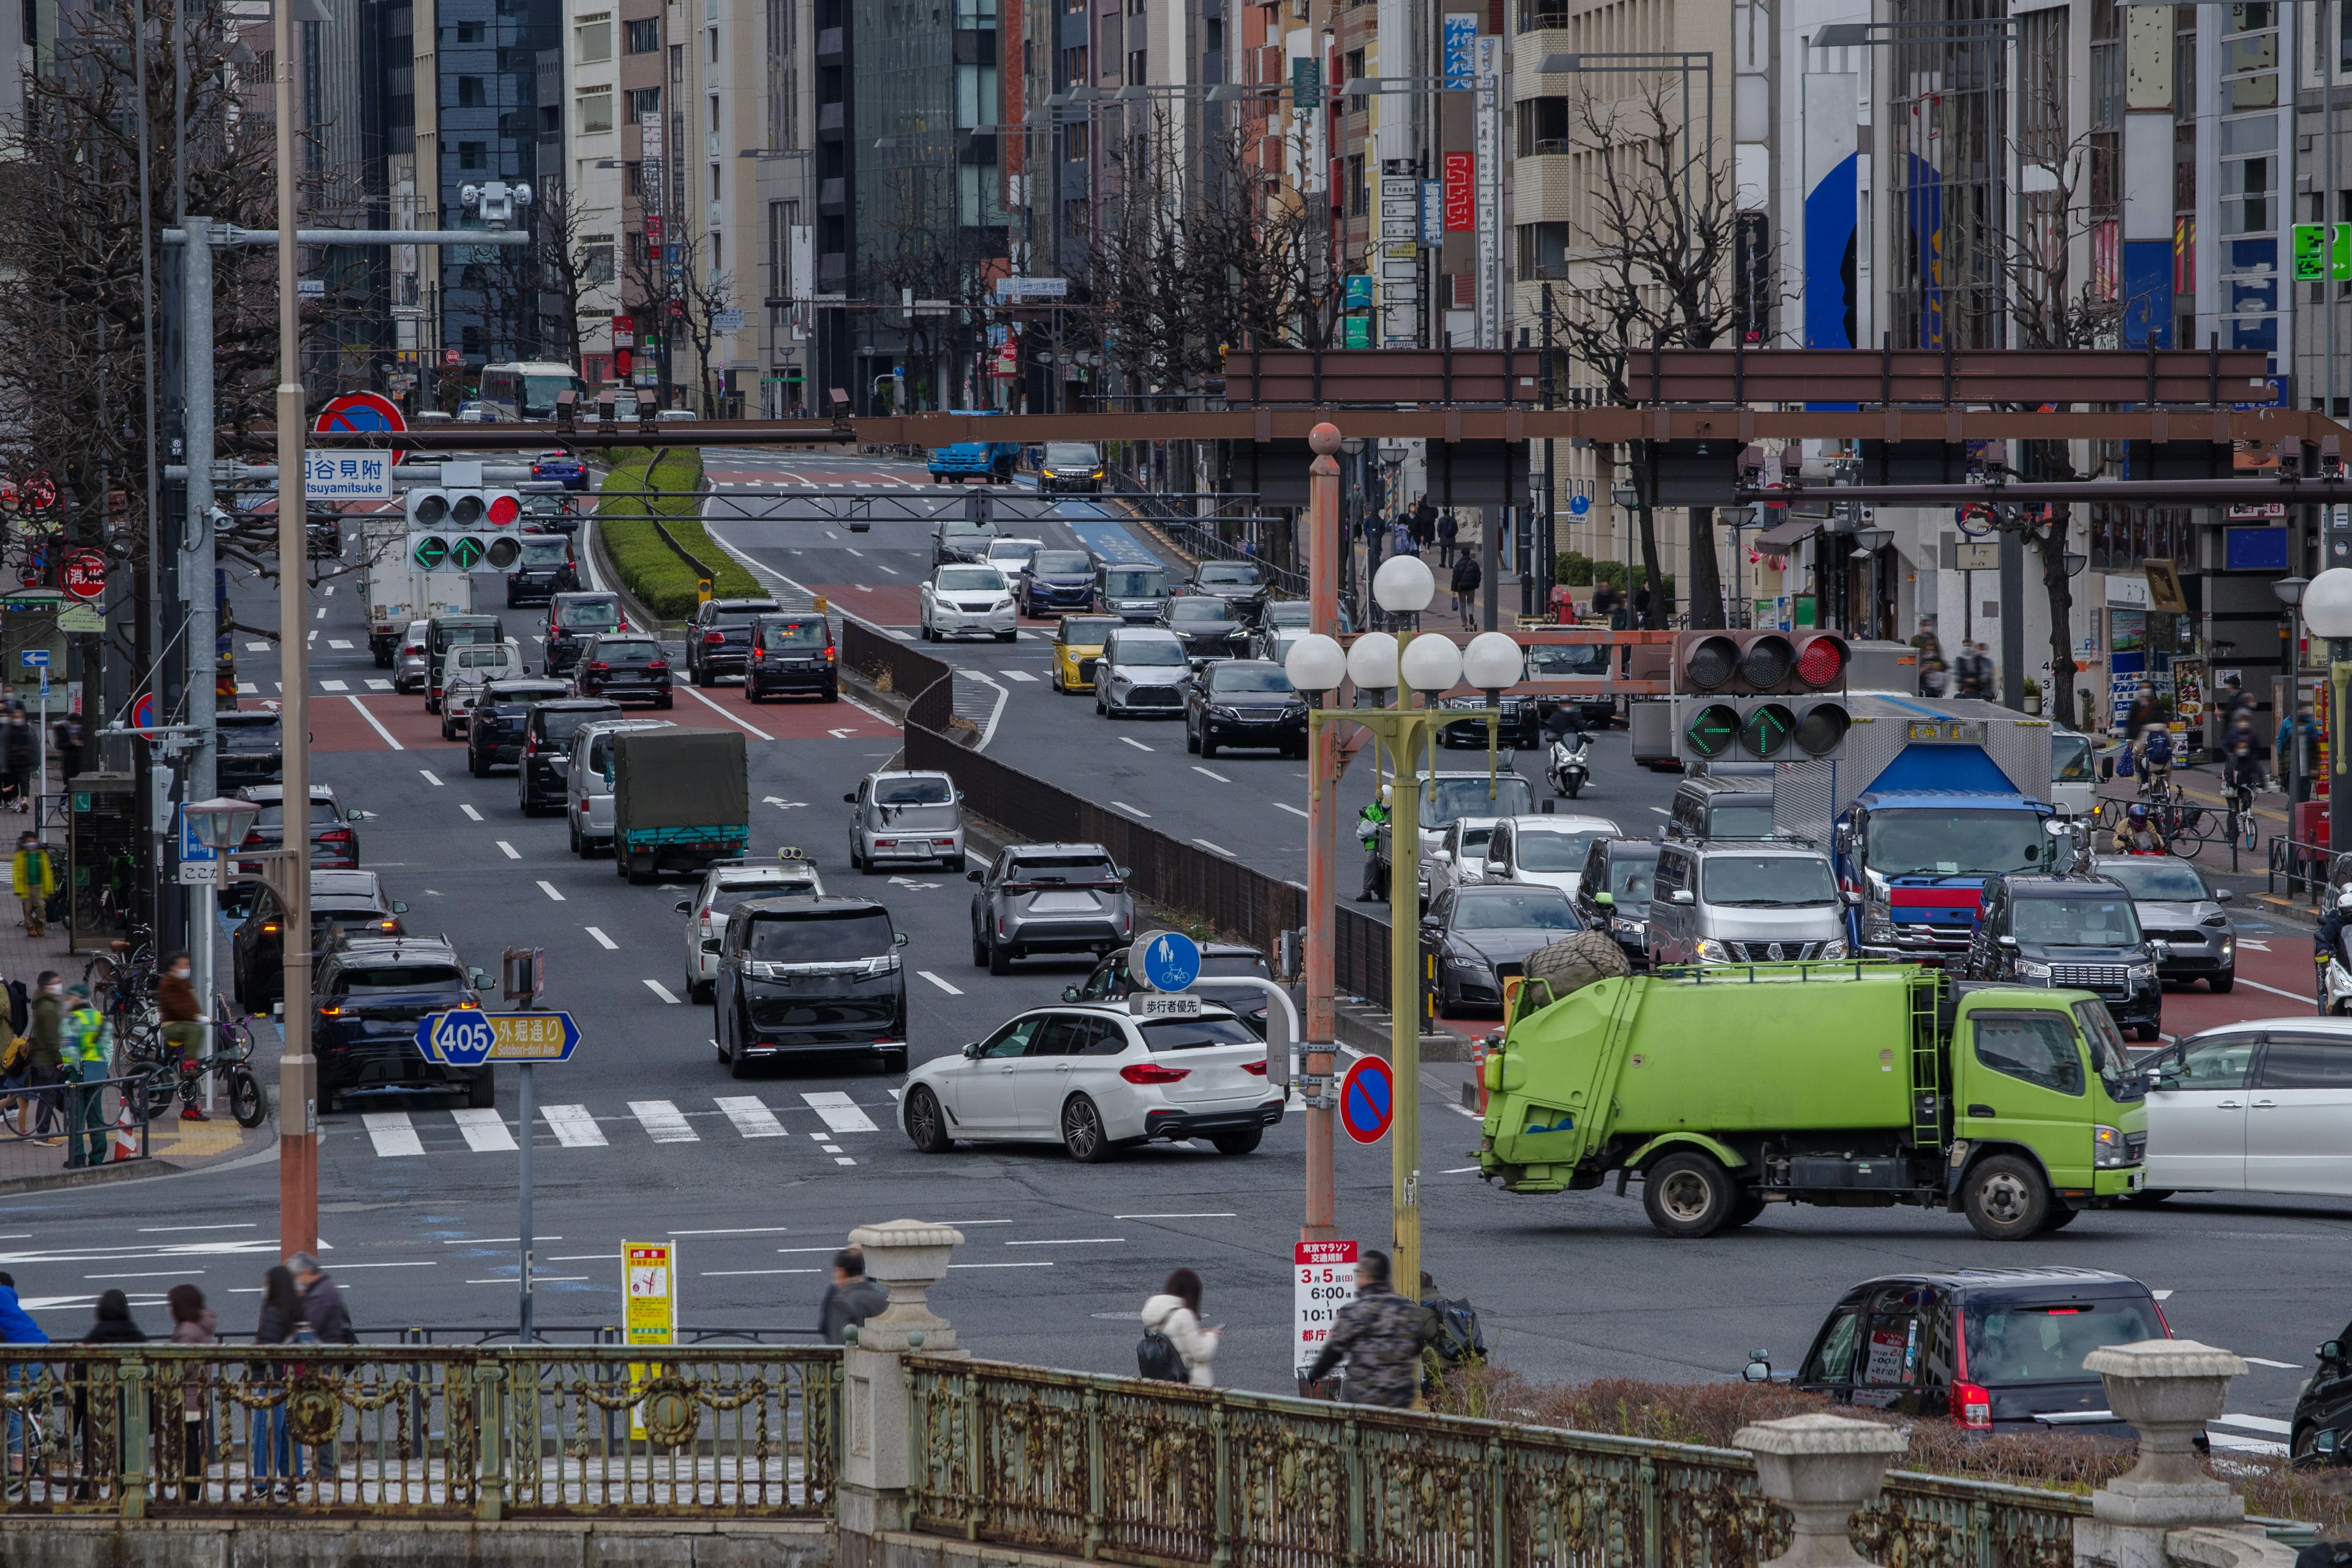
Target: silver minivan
587,798
905,819
1140,670
1744,901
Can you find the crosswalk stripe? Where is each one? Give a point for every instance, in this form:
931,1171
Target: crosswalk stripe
840,1112
376,685
485,1130
1016,675
341,643
574,1127
752,1118
392,1135
663,1121
333,686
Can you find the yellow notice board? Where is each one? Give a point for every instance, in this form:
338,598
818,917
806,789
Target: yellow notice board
648,1307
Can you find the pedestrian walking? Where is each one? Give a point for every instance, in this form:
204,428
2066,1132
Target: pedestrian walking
1402,541
270,1460
1644,596
193,1323
2297,750
1175,1314
1972,672
1369,823
1447,531
1379,1335
851,1297
1424,531
47,1032
20,755
1467,575
325,1315
113,1324
1607,603
85,1048
67,733
33,877
183,1027
16,1327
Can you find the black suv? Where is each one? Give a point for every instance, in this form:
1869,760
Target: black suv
2322,1428
340,902
719,639
1995,1350
494,729
799,975
1243,702
369,993
573,616
1613,894
546,739
792,653
1241,584
252,748
545,569
622,665
2079,932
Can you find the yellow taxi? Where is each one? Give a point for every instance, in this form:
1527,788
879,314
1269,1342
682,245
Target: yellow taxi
1077,643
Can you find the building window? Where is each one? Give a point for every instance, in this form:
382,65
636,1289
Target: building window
595,111
1137,67
643,100
714,117
469,92
1543,249
1358,204
596,261
644,37
595,42
469,32
1543,126
469,155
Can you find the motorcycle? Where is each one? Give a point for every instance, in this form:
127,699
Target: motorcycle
2335,987
1569,766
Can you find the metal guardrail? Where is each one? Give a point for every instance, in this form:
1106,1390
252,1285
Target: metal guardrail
2305,867
423,1431
1158,1473
1195,534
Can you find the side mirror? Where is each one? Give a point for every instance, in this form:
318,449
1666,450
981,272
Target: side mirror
1606,900
1758,1368
1069,993
1680,896
683,906
2330,1351
1125,873
972,1051
355,814
850,799
2223,896
900,937
398,907
1444,855
478,978
1853,899
2324,1445
971,876
2006,940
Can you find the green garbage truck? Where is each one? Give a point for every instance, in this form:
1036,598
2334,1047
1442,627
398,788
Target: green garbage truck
1855,1085
681,799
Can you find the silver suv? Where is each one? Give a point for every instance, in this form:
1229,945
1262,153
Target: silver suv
1049,898
1140,671
905,819
1757,901
587,794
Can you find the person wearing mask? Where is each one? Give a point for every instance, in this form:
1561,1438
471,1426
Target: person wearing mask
47,1032
183,1027
84,1053
2156,759
323,1302
271,1460
1467,575
1176,1312
33,879
1379,1336
2242,753
16,1327
19,755
1369,823
851,1297
1972,673
1447,531
193,1323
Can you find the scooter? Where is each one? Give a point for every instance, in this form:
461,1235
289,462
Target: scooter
2335,987
1568,767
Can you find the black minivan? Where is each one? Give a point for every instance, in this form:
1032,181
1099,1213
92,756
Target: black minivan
800,975
792,653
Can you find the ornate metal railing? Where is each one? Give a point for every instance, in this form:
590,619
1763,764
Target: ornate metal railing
480,1431
1160,1475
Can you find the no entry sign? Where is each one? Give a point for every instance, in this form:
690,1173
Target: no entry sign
1368,1099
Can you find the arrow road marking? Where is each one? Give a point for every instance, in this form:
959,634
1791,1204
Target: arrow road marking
842,734
911,884
781,803
574,1127
486,1131
392,1135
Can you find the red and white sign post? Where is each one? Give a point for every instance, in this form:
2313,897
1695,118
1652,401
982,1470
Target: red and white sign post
84,574
1323,1281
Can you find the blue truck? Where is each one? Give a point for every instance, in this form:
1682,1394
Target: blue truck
991,462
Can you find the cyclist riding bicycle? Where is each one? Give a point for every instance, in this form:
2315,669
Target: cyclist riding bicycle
2137,834
2156,761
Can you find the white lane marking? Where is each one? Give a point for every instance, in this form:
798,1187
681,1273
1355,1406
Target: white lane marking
321,615
2257,946
1131,811
738,1273
485,1130
471,814
2272,989
606,943
376,685
894,571
1016,675
1220,1214
658,989
574,1127
2258,1360
374,723
942,984
1074,1241
392,1133
2257,1422
248,688
1000,1266
663,1121
339,642
752,1118
722,712
429,778
1137,744
1662,811
2227,1443
257,648
2161,1295
1214,849
509,851
334,686
1211,772
548,889
1290,808
840,1112
330,591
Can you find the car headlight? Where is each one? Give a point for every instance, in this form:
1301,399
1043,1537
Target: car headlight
2229,947
885,965
2215,919
2142,971
2029,970
2109,1149
1004,604
1712,952
1475,965
1833,948
1221,711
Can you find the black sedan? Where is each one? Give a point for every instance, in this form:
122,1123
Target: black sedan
494,730
1240,584
1481,936
1521,727
1055,579
1243,702
1208,627
2323,1415
621,666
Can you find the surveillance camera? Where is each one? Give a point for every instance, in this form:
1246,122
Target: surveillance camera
522,195
470,195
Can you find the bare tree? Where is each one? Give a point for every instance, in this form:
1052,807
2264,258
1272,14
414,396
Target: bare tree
692,299
567,269
919,252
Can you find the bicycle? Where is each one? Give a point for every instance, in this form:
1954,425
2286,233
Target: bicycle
230,1058
2243,830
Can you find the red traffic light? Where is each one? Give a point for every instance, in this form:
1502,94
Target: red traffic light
1820,659
504,509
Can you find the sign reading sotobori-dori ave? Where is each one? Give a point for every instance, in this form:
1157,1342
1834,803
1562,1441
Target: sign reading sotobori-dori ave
467,1039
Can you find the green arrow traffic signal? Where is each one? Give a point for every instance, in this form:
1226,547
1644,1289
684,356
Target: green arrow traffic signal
1766,728
429,550
1711,728
465,551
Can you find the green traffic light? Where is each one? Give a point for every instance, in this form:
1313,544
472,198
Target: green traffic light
1766,728
464,553
1710,729
430,550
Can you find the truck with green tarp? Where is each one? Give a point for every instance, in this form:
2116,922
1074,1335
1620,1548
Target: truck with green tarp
681,799
1854,1085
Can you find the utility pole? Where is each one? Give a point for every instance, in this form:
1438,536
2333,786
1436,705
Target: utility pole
197,564
1321,1222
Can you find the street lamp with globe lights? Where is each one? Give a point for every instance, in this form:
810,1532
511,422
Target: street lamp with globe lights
2328,611
2289,591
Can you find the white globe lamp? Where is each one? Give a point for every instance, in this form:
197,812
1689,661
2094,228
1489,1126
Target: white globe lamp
1492,661
1431,663
1404,586
1315,663
2327,605
1372,662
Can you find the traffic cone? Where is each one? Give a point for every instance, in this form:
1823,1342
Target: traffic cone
126,1135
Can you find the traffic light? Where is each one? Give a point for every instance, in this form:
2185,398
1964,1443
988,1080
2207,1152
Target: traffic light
458,529
1763,696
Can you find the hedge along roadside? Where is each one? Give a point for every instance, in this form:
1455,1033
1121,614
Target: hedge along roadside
648,567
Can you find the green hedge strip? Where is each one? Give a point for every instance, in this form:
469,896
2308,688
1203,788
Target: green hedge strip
648,567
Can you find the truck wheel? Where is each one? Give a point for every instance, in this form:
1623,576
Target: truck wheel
2006,1198
1747,1206
1688,1194
2061,1216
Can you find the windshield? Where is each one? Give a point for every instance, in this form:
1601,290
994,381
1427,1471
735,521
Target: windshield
1151,651
2082,919
2070,758
1630,871
1192,1034
273,814
1013,549
545,553
1063,868
1288,613
914,791
1070,455
970,580
1089,633
1740,816
249,737
1198,610
1937,842
2151,878
2011,1342
392,977
1144,582
1229,574
827,938
482,657
1541,849
957,528
727,895
634,651
1557,660
1449,798
456,636
1248,678
795,634
589,615
1229,964
2108,1059
1765,881
1061,563
1543,911
539,393
562,724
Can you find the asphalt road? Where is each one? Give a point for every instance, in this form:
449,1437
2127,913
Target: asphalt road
1058,1256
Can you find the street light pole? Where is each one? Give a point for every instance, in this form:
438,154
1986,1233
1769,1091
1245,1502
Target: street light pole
2328,611
1321,1222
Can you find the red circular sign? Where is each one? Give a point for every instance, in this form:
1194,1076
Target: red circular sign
363,411
1368,1099
41,491
84,576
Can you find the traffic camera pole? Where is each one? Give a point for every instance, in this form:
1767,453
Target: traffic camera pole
1323,563
197,566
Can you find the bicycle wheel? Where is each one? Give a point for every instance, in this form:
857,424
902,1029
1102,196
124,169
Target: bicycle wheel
2185,845
244,1098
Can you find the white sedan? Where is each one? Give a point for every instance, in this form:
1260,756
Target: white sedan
724,886
963,600
1095,1079
1543,851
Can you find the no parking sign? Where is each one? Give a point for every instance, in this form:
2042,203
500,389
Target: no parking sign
1368,1099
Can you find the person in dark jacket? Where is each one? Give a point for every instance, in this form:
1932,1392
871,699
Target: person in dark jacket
46,1056
16,1327
323,1302
1447,530
1467,575
269,1454
1644,598
852,1298
112,1326
1379,1334
67,733
20,762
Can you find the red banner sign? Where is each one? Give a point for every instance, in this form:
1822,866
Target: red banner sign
1460,192
625,332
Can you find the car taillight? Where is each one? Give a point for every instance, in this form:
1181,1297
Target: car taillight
330,1012
1971,1408
600,666
556,634
942,843
656,663
1153,1072
1256,1067
828,651
759,655
714,636
336,836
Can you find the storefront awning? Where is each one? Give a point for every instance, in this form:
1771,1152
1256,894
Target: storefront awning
1783,537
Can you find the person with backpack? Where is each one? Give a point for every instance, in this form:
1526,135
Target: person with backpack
851,1299
2156,760
1450,1335
1379,1335
1175,1347
68,734
1467,575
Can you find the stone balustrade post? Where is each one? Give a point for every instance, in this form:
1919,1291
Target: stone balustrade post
2167,1511
1822,1470
909,1256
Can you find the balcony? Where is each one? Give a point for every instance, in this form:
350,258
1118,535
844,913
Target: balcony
832,196
828,47
831,122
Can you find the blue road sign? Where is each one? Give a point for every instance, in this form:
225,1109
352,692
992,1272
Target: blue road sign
1368,1099
1172,962
193,850
35,658
467,1039
1578,505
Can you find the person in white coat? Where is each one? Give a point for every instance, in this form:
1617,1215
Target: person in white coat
1176,1312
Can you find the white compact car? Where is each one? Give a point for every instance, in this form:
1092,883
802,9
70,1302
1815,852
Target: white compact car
724,886
963,600
1095,1079
465,670
1542,851
2262,1106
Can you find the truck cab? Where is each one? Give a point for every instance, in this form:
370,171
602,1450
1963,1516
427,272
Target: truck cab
1916,863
